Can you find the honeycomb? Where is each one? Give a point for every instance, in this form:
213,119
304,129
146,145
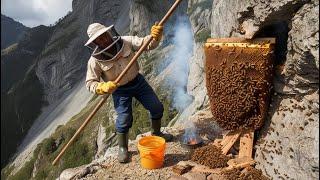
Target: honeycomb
238,81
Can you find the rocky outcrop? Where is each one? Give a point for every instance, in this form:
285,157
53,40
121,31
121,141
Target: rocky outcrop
301,70
288,143
79,172
144,13
200,19
199,12
54,61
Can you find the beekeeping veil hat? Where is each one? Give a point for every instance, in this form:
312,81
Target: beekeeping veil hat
94,31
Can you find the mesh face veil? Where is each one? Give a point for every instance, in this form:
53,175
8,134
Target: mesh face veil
112,50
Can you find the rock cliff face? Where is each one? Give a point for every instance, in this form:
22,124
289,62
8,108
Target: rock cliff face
200,17
63,59
63,62
21,90
54,61
288,144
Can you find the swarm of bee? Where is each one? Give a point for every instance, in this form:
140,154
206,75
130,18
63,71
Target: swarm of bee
238,81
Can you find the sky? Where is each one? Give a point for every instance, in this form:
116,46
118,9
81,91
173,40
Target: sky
32,13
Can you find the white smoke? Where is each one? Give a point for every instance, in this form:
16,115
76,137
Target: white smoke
179,57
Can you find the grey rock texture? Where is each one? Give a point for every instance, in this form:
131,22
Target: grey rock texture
200,19
288,144
59,62
142,15
302,65
199,12
20,110
78,172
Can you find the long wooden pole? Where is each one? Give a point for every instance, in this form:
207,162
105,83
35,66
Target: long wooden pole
105,97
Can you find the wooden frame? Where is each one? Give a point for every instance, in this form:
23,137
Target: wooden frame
243,160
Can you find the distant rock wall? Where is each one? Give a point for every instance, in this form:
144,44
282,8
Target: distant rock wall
11,31
21,90
64,60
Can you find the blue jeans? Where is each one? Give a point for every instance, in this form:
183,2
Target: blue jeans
122,100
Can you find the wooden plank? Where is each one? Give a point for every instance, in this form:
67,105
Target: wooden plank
241,40
239,166
240,162
235,164
228,142
217,142
200,169
246,144
244,171
228,137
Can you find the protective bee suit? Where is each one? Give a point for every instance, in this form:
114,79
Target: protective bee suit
111,53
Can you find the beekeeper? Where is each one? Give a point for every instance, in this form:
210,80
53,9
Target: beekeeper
110,55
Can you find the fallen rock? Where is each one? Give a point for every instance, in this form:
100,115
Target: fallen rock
79,172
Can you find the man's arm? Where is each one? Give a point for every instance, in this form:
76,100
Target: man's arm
93,83
93,75
156,35
138,41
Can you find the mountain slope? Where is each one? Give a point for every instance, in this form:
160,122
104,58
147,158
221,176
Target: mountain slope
63,64
55,58
11,31
21,90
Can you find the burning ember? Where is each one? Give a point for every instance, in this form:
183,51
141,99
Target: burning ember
191,137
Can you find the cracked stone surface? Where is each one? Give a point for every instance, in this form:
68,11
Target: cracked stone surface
288,145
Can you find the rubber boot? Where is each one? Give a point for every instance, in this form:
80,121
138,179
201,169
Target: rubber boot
123,154
156,125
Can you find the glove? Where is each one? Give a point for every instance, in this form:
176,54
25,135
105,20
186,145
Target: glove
106,87
156,32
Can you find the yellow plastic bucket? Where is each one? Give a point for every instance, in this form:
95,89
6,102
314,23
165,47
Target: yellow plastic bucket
151,150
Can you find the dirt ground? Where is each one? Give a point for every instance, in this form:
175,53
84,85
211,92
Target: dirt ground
174,153
133,170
